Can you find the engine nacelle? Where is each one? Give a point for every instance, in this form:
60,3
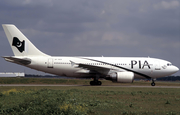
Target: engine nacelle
121,77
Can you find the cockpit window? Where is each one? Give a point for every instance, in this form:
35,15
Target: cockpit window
169,64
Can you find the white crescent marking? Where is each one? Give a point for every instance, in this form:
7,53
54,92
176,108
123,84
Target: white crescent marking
19,45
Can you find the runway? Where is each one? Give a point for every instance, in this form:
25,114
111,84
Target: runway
52,85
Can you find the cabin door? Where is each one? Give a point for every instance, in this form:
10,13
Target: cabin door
50,63
157,65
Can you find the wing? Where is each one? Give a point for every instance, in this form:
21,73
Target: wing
92,68
21,61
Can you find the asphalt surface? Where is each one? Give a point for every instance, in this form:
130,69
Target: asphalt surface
51,85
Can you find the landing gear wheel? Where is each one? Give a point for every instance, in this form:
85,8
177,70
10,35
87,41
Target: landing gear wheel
99,82
95,82
92,83
153,84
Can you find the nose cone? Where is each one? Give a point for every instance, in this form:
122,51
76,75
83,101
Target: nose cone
174,69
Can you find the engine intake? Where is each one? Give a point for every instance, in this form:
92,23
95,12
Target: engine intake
121,77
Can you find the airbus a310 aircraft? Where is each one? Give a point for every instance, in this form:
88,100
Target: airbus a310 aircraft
116,69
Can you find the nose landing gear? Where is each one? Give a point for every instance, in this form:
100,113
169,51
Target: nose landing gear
153,82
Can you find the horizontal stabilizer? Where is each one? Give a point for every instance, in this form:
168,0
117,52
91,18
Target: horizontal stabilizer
21,61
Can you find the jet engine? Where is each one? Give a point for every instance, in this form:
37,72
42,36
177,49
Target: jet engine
121,77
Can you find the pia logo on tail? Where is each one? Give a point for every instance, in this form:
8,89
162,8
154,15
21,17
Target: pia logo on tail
18,44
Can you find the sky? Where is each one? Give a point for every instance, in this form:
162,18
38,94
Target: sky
112,28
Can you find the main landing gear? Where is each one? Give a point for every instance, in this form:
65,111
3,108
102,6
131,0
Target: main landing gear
95,81
153,82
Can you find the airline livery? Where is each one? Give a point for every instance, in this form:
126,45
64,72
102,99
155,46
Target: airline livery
116,69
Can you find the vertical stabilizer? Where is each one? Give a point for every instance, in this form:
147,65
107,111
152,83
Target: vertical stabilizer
20,45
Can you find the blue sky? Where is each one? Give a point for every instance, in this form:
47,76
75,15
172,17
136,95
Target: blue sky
120,28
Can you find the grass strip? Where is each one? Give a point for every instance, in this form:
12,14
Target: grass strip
89,100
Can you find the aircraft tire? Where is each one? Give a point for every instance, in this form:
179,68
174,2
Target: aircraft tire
91,82
95,83
99,82
153,84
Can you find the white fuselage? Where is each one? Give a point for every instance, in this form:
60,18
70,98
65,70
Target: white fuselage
141,67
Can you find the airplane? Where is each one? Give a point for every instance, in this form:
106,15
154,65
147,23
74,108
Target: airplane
115,69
